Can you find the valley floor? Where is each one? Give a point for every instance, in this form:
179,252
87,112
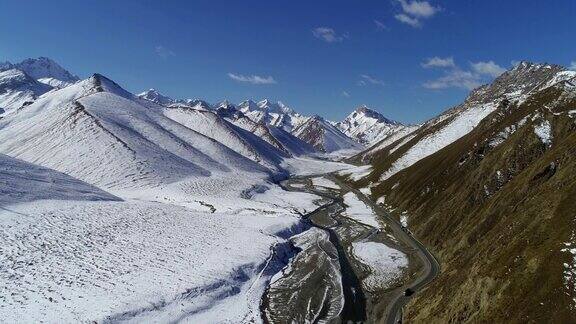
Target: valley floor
354,262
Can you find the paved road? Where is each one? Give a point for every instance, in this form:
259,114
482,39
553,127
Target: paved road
431,266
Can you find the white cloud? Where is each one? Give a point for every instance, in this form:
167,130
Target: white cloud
254,79
421,9
380,25
438,62
414,11
345,94
488,68
328,35
414,22
572,66
455,79
163,51
366,79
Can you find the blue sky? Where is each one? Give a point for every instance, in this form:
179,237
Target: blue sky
410,60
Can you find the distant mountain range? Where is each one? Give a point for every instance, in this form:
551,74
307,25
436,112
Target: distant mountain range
362,127
22,83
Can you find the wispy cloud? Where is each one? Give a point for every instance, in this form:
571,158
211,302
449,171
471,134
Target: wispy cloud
438,62
163,52
488,68
328,35
413,12
572,66
253,79
380,25
456,77
345,94
420,9
414,22
366,79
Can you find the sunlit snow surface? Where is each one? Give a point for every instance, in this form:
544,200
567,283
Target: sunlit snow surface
358,211
544,132
68,260
323,182
461,125
112,211
386,264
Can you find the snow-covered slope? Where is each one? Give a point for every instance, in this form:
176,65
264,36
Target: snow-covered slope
513,86
275,136
289,142
194,114
47,71
245,143
272,113
114,208
99,133
91,257
324,136
368,126
25,182
17,88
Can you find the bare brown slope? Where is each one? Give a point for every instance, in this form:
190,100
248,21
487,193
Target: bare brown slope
496,216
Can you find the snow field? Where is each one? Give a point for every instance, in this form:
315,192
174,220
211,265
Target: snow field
357,210
386,264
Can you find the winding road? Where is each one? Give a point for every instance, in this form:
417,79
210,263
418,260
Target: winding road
354,301
431,265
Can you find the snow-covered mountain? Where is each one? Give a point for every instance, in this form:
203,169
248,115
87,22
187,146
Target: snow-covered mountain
514,86
226,111
47,71
105,190
275,136
484,185
156,97
246,143
23,82
272,113
99,133
17,89
368,126
324,136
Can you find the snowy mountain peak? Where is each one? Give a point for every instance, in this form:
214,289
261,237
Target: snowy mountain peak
155,96
248,105
198,104
100,83
526,65
47,71
17,89
365,112
272,113
367,126
225,104
274,107
323,136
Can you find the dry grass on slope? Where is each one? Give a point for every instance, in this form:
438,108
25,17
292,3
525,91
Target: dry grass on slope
497,216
